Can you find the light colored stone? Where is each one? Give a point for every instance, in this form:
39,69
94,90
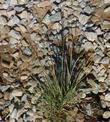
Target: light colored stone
14,114
83,19
106,115
91,36
107,10
17,93
88,46
19,8
106,1
3,12
24,77
46,19
97,58
105,60
13,2
88,10
55,17
22,28
15,34
22,1
27,51
13,21
107,97
23,15
4,88
13,41
11,13
3,20
57,27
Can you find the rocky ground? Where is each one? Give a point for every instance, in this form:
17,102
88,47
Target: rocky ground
27,30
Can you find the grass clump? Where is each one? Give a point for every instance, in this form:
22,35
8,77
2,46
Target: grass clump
61,86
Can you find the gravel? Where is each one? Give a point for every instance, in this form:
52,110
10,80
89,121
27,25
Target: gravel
28,28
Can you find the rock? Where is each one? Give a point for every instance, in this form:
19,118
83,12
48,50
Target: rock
83,19
106,25
15,34
82,4
19,8
24,77
107,97
23,15
3,20
41,11
13,2
102,87
46,19
55,17
99,31
89,110
107,45
13,41
3,12
22,1
14,114
17,93
106,1
57,27
97,58
44,4
107,10
106,115
91,36
13,21
11,13
105,60
88,10
88,46
27,51
4,88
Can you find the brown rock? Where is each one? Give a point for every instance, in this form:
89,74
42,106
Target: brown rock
41,9
45,3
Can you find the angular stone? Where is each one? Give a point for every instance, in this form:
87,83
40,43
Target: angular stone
11,13
13,21
106,1
19,8
88,46
3,20
107,97
97,58
57,27
23,15
105,60
91,36
88,10
107,10
27,51
22,1
17,93
83,19
55,17
24,77
15,34
13,2
106,25
44,4
106,115
14,114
